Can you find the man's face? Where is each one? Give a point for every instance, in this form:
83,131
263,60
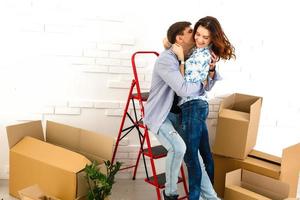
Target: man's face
187,40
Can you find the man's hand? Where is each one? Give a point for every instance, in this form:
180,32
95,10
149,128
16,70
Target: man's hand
214,60
178,50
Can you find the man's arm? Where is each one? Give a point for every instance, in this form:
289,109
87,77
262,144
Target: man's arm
177,49
181,68
168,70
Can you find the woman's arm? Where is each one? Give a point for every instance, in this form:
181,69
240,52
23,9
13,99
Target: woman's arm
213,76
212,64
166,43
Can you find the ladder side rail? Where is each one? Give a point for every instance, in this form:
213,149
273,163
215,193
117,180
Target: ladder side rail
146,135
133,83
136,76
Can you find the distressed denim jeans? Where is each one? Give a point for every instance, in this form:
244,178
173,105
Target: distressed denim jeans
207,189
172,141
195,135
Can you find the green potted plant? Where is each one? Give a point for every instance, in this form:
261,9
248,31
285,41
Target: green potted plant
100,184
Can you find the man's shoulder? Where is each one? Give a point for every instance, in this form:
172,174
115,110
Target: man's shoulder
166,61
167,55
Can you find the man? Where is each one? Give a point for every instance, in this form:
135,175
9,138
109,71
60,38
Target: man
160,115
166,81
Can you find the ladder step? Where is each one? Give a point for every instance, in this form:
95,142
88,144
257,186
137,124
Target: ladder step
157,152
144,96
161,180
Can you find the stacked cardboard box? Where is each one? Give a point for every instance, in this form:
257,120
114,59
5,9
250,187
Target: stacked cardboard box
236,135
57,164
237,125
246,185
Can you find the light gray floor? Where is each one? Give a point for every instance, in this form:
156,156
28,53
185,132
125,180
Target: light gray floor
123,189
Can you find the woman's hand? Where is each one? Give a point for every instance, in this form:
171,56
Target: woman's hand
204,83
214,60
166,43
178,50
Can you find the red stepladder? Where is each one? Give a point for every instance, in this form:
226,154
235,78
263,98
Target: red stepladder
145,150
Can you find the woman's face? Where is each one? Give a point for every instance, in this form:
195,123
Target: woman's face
202,37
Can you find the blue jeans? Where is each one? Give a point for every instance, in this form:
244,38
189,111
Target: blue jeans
207,189
171,140
195,135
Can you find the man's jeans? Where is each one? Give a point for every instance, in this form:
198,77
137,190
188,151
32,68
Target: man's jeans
171,140
207,190
195,135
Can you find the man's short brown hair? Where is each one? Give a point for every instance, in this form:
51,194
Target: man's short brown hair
176,29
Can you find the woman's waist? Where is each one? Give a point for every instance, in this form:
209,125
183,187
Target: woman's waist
191,99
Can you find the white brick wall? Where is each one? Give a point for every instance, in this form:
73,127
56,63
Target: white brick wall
81,104
67,111
94,68
73,60
107,104
95,53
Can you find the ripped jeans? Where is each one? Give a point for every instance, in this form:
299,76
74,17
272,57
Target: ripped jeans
171,140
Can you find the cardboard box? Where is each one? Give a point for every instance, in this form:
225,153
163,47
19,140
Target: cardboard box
245,185
94,146
285,169
298,190
55,165
34,192
290,167
237,125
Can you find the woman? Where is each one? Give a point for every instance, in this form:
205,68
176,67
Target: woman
209,36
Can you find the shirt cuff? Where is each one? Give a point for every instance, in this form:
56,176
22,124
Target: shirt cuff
217,77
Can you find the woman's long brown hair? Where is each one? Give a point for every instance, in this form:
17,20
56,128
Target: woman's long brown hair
220,43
